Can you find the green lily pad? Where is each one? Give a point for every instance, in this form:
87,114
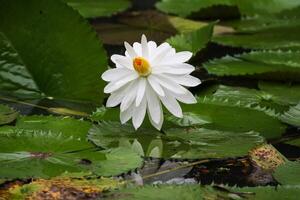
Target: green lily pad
276,65
68,126
229,117
272,38
186,143
246,7
42,55
7,114
98,8
56,145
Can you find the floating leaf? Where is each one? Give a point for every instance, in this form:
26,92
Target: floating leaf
68,126
276,65
59,61
52,147
98,8
246,7
292,116
176,142
273,98
7,114
229,117
193,41
288,173
272,38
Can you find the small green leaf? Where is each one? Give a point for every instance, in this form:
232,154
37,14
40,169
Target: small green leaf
7,114
42,55
98,8
193,41
276,65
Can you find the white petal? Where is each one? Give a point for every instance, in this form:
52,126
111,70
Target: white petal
155,86
139,114
182,68
129,96
140,91
144,44
171,104
115,74
169,84
187,80
114,99
159,124
161,51
179,57
187,98
113,86
152,49
130,50
154,105
127,114
137,48
124,62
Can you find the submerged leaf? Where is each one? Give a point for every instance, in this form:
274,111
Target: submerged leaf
98,8
42,55
7,114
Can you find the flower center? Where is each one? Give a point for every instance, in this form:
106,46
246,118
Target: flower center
142,66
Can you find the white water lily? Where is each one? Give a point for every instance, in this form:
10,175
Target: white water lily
147,76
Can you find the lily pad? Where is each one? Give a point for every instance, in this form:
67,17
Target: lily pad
276,65
246,7
7,114
272,38
42,55
68,126
186,143
44,153
229,117
98,8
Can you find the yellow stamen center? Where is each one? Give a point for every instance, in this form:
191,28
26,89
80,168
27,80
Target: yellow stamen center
142,66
